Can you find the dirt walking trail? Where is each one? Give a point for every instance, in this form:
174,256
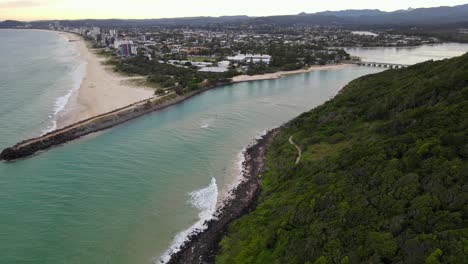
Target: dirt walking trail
298,150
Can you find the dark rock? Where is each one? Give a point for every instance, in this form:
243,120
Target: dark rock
203,247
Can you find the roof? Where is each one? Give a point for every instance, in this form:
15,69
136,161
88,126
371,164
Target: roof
213,69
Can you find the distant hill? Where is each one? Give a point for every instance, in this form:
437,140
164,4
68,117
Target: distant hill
352,13
361,12
11,24
419,16
367,17
383,176
190,21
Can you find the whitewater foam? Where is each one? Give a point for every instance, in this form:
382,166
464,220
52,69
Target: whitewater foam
260,136
205,201
208,122
61,102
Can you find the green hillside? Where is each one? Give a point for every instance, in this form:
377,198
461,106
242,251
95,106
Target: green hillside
382,179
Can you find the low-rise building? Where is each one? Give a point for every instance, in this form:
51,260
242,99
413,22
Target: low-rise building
255,58
213,69
223,66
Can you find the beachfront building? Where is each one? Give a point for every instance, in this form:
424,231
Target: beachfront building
57,25
96,30
128,49
119,42
255,58
96,33
83,31
114,33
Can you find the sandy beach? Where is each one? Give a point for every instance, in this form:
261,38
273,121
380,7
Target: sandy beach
277,75
100,91
103,90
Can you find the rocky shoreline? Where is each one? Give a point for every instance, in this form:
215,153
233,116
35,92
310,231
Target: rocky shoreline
203,247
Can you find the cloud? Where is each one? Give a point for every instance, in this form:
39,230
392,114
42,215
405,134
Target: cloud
20,4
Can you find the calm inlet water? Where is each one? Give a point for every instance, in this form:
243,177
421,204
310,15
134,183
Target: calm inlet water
122,195
410,55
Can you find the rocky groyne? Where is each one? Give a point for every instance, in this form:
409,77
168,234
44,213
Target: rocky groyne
98,123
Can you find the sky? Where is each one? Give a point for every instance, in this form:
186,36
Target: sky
28,10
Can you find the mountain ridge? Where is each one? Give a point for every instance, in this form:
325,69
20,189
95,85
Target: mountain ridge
356,17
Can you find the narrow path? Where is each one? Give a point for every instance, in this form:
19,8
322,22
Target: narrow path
298,150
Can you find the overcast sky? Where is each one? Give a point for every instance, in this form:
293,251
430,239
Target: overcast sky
79,9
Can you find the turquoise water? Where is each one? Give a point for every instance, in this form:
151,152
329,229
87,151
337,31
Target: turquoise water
122,195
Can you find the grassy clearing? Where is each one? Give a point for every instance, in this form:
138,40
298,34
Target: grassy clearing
202,59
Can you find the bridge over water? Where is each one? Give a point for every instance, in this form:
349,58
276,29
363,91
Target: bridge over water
380,64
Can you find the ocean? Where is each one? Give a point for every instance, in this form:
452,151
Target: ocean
129,194
39,72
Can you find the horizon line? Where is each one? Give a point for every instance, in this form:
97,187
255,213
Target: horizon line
208,16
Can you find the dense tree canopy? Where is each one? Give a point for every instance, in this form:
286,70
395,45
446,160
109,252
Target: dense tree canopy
383,177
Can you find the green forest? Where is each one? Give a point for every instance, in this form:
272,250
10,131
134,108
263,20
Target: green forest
382,179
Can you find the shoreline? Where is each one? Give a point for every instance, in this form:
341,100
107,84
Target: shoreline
82,112
29,147
280,74
100,90
73,125
201,247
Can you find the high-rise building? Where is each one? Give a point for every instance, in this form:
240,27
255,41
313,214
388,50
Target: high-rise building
96,30
119,42
83,31
126,49
134,50
114,33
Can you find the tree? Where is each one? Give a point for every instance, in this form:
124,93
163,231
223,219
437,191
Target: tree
435,257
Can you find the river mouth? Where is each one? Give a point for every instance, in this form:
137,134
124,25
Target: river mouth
129,187
123,195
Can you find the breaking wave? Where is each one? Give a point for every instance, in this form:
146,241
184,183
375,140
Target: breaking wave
61,102
205,201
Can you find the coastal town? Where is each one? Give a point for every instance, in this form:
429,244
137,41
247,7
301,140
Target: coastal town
183,59
178,63
197,45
